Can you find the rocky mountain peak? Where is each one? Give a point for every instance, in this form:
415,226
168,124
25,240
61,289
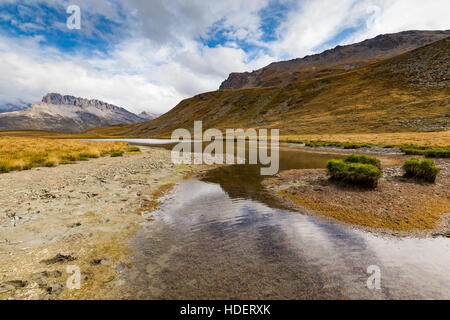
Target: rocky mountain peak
65,113
58,99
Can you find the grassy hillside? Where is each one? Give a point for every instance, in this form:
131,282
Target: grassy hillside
408,93
340,58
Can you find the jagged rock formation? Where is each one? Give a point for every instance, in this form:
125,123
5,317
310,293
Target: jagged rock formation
338,59
66,114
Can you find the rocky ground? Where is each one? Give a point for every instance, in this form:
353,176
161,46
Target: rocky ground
397,206
77,217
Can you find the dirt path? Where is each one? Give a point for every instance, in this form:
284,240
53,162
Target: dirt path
79,215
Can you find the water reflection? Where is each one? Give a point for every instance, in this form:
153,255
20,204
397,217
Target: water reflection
223,237
205,244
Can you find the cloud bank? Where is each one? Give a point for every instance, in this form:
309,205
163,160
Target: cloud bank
149,55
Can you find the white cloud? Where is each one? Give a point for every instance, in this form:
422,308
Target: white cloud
27,75
179,21
129,78
162,61
315,23
401,15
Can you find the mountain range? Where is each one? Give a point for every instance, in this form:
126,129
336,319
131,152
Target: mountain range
69,114
392,83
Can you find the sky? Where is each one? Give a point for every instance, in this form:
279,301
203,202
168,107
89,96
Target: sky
148,55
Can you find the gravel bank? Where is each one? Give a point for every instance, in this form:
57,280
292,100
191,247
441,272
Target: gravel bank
81,215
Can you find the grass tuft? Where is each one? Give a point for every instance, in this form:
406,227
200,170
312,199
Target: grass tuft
116,154
364,175
345,145
355,158
421,169
133,149
427,151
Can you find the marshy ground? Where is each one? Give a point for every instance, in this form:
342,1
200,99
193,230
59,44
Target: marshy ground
398,205
85,214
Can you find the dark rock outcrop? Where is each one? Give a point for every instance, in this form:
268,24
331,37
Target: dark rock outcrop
379,48
57,99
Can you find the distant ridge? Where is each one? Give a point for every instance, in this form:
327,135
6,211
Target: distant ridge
65,113
341,58
148,115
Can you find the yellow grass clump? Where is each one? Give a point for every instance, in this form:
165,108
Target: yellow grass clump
25,153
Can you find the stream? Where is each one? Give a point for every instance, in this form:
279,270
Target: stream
221,236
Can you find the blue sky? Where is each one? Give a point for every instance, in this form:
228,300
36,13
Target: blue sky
148,55
101,34
22,19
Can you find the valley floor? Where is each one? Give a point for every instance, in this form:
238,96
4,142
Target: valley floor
84,214
80,215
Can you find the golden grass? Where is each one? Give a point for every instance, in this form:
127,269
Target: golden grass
22,153
97,133
438,139
423,216
396,204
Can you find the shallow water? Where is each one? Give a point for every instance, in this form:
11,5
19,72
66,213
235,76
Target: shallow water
223,237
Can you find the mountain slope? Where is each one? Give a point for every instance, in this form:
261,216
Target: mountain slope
406,93
334,61
66,114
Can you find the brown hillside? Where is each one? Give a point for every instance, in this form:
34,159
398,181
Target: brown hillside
404,94
334,61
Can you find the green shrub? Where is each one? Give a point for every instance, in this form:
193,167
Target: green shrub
116,154
356,158
421,169
431,152
293,141
336,168
356,145
345,145
133,149
361,174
